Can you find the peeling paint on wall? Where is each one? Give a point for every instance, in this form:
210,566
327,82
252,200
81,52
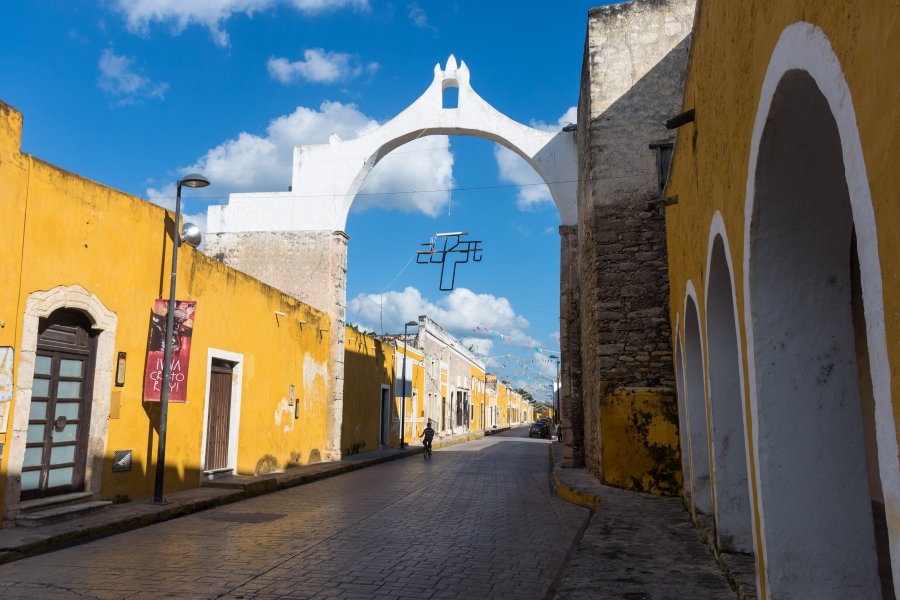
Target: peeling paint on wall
284,411
6,383
315,378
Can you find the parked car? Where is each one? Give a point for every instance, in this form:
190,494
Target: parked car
539,429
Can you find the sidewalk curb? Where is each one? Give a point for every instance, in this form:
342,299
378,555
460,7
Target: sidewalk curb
568,493
229,493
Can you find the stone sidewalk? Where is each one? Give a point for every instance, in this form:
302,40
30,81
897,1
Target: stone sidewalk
20,542
636,546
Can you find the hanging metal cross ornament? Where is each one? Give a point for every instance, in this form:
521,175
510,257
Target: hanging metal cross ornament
459,251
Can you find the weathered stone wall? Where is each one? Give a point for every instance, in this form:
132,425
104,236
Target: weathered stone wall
571,404
312,267
632,82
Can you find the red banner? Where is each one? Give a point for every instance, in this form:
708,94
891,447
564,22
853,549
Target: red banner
181,350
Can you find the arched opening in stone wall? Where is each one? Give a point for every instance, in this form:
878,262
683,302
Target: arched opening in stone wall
733,520
682,420
696,410
814,406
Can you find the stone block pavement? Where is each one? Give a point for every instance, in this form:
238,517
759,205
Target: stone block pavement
635,547
20,542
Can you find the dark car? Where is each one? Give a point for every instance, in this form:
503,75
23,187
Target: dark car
539,429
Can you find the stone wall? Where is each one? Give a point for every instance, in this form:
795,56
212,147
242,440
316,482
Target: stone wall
632,82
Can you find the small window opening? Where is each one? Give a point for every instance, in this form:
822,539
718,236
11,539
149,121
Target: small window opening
451,97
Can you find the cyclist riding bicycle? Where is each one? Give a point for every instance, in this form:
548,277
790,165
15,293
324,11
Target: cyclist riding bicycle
427,436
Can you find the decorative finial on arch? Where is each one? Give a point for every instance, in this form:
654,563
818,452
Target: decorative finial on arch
462,73
451,64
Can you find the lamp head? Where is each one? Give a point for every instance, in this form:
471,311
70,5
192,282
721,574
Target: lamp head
411,324
194,180
190,235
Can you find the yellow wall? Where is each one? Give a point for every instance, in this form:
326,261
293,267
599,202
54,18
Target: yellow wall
413,423
730,55
368,365
116,246
640,443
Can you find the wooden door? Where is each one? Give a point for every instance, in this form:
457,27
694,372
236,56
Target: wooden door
60,411
219,415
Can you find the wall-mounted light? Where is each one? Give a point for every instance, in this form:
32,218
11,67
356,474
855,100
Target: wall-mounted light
280,314
120,369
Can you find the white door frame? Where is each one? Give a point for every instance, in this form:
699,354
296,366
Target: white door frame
234,419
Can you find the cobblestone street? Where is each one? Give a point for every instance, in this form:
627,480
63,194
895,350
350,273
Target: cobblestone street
477,521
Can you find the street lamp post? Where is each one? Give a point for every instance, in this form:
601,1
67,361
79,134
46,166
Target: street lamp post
558,391
190,236
403,375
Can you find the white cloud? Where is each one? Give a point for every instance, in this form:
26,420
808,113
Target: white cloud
423,164
555,336
417,15
544,366
567,118
419,18
459,313
118,78
480,346
250,162
318,66
139,14
515,170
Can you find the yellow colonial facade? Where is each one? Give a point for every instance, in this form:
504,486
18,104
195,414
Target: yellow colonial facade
371,411
784,261
85,252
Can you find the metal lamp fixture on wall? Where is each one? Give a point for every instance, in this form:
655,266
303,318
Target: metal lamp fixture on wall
190,235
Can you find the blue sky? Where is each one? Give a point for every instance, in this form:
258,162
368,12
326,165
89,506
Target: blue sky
133,93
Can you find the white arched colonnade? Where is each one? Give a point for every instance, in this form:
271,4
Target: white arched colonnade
816,384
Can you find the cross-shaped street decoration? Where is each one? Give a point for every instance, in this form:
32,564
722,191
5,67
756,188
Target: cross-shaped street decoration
444,244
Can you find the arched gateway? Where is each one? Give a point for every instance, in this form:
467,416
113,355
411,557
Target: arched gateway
295,240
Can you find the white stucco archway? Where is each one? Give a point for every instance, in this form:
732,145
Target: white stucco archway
683,433
801,210
695,390
326,177
725,383
40,305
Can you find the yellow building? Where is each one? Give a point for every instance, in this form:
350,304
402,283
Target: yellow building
371,412
784,252
412,417
84,267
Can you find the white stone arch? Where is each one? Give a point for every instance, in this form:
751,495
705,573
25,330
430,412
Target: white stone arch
697,410
804,52
326,177
725,386
683,433
41,305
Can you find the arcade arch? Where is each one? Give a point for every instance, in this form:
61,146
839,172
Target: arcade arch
729,459
695,390
818,373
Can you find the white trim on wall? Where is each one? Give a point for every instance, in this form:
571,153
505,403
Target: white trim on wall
234,423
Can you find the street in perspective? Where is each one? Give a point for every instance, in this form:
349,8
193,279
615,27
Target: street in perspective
478,520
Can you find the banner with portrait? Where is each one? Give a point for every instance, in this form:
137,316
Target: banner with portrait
181,350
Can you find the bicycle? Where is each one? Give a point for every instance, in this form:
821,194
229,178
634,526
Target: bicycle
427,453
